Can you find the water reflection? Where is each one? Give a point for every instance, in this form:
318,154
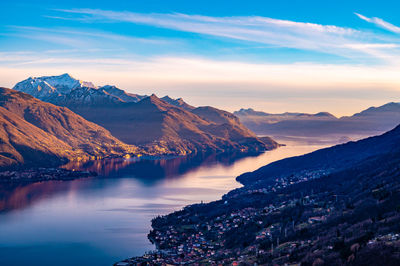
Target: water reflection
16,196
147,171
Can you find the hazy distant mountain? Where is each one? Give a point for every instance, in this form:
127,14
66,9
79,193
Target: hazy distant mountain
274,118
33,132
388,112
161,126
372,121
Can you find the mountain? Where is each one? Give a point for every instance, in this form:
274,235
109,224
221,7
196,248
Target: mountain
65,90
33,132
328,160
161,126
374,120
164,128
49,87
273,118
287,124
391,107
382,117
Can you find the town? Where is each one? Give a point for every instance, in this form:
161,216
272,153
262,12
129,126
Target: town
205,243
42,174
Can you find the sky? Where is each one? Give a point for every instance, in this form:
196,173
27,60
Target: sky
274,56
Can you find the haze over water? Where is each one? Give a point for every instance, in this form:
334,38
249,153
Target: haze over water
98,221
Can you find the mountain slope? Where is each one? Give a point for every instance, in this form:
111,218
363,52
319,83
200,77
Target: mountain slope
326,160
163,128
33,132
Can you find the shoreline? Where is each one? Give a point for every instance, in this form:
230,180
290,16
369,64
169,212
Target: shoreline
64,172
34,175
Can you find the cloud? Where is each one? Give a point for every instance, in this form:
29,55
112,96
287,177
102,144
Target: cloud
380,23
330,39
75,37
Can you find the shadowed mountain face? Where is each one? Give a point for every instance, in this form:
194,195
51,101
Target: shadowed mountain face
33,132
326,161
160,126
374,120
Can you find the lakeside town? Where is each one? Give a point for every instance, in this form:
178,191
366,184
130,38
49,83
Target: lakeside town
42,174
204,243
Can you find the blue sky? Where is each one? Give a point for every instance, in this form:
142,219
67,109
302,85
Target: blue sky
271,55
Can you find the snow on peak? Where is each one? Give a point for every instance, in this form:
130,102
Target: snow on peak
47,86
65,88
66,81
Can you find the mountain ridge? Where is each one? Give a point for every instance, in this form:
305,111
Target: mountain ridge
159,125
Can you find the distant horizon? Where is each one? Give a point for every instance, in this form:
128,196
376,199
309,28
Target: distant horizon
290,56
149,92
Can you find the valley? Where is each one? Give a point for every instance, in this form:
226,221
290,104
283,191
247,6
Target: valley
104,219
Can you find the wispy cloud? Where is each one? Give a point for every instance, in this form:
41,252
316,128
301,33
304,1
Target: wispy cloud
75,37
380,23
330,39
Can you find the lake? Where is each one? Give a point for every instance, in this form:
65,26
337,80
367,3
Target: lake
104,219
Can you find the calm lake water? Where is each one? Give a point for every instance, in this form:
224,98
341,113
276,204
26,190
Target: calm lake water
101,220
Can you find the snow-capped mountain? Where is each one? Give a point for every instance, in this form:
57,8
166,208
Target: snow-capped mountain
67,91
49,86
